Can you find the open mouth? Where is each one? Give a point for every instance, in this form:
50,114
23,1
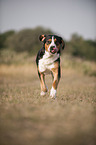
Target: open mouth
53,50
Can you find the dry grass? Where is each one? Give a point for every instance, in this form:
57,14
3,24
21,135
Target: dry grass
26,118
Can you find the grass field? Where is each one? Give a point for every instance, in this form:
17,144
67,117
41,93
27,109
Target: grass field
26,118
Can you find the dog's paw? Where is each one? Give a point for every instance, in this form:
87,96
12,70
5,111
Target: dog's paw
43,93
53,93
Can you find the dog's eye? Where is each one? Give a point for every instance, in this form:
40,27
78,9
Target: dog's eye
57,43
48,42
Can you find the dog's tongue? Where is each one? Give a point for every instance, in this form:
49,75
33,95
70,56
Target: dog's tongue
54,50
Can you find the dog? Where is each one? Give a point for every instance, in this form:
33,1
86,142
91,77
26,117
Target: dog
48,59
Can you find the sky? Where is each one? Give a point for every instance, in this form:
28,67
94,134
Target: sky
63,17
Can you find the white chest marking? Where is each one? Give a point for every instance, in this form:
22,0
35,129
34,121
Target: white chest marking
47,62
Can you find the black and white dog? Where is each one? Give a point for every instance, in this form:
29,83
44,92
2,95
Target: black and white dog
48,59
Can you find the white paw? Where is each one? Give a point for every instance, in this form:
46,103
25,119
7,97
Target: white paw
53,93
43,93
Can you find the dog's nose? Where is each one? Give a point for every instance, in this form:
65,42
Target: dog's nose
52,47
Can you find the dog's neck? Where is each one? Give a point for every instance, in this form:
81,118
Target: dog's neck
50,58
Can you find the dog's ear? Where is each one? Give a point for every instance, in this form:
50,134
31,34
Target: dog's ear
42,38
62,43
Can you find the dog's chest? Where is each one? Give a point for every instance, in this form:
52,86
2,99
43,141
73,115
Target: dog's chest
47,63
44,67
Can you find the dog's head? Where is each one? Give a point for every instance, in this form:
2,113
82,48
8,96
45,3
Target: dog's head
52,43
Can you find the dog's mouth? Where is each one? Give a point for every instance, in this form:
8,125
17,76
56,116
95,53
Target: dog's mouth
53,50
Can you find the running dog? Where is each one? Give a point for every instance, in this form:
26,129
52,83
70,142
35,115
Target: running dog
48,60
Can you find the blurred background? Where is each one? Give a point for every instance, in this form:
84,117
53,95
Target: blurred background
22,21
26,118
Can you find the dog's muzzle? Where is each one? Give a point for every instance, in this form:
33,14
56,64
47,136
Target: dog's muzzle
53,49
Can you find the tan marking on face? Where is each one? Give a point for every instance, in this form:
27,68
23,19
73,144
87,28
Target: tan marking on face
58,46
49,40
55,40
47,45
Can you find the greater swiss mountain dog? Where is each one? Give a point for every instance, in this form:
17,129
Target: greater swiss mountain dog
48,59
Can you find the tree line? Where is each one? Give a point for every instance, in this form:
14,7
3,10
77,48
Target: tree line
27,40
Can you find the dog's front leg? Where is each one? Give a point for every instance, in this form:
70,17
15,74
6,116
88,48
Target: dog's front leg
56,75
44,88
54,88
